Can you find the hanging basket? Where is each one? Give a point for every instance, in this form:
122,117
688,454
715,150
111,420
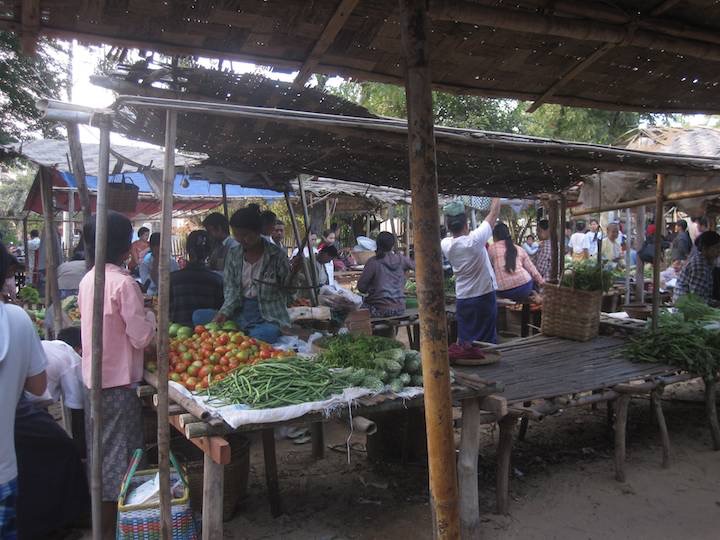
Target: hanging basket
571,313
122,196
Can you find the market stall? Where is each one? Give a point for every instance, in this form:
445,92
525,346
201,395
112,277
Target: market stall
604,55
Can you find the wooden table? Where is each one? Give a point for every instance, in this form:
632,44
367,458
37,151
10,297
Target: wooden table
542,375
410,320
210,437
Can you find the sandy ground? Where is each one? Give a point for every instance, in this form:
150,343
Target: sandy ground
562,486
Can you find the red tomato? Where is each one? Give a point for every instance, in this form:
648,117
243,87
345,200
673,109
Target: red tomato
184,376
221,350
245,345
217,369
223,361
175,377
223,339
265,354
233,363
236,338
202,385
182,348
191,383
180,367
204,371
199,329
192,370
197,363
214,358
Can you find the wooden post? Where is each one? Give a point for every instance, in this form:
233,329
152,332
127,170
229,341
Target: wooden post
212,511
639,265
318,440
468,470
311,253
298,241
104,122
78,169
271,473
621,414
561,236
25,247
656,401
554,240
415,33
52,256
504,454
711,410
628,245
407,230
163,338
224,202
659,222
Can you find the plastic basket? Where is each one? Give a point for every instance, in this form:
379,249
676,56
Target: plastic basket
142,521
122,196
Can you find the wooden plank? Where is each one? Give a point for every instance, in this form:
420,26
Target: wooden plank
332,28
502,489
212,512
30,16
216,447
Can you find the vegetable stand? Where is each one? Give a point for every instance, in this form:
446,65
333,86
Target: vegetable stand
208,433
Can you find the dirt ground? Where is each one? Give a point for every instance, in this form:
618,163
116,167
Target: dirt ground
562,486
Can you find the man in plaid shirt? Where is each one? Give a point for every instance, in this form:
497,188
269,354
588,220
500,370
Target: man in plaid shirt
543,256
697,276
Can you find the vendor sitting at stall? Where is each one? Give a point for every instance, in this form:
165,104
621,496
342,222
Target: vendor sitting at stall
383,279
697,276
257,278
324,257
218,230
515,273
612,247
149,268
195,286
475,284
671,273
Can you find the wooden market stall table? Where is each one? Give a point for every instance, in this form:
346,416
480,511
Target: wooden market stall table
410,320
543,375
208,433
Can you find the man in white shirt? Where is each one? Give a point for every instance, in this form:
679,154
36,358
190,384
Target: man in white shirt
63,368
474,278
578,244
33,256
269,219
22,367
593,235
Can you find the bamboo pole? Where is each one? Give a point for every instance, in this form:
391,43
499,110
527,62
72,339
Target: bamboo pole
52,257
645,201
659,222
25,247
105,124
639,265
298,243
628,245
311,252
554,240
561,238
415,33
163,339
224,200
407,230
78,169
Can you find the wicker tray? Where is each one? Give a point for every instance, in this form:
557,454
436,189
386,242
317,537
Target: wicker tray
570,313
122,196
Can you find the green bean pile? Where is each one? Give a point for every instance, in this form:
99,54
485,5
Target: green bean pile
276,383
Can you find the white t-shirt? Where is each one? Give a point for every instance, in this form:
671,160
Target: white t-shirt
578,243
592,241
21,356
63,374
468,256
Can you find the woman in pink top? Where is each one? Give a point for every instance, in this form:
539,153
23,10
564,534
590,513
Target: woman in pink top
127,329
514,271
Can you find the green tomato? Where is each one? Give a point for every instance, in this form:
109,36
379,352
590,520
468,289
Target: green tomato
184,332
174,327
229,326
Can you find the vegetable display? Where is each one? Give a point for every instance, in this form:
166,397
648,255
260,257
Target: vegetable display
29,295
586,276
277,383
208,353
688,339
372,362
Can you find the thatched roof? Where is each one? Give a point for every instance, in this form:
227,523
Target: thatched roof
279,144
625,54
615,187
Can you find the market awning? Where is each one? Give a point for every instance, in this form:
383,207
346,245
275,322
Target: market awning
199,195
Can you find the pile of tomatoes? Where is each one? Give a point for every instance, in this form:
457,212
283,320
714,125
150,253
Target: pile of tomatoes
203,356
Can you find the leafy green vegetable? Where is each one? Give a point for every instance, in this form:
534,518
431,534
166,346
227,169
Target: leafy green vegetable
694,308
29,295
349,350
586,276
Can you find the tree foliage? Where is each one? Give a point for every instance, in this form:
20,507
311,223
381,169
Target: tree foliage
24,79
505,115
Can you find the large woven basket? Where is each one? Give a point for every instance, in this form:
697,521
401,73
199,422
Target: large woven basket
570,313
122,196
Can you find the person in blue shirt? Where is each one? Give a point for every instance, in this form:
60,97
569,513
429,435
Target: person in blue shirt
150,264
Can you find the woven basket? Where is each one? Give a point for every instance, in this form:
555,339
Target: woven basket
122,196
570,313
236,477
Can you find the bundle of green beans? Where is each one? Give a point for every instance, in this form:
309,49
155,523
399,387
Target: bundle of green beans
276,383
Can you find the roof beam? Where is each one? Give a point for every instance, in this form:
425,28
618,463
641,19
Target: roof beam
571,74
663,7
584,30
332,28
30,16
